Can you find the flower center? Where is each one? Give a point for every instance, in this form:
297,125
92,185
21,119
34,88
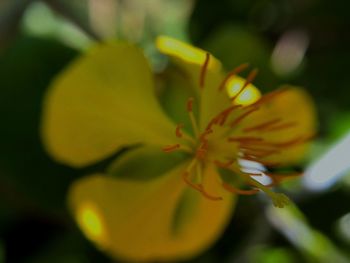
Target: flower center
220,143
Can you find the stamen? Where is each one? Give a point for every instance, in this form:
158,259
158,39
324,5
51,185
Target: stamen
190,104
221,118
259,153
223,165
201,152
235,71
209,196
255,159
226,113
244,139
293,142
203,148
244,115
204,70
192,118
270,96
282,126
252,75
205,134
185,177
198,187
278,178
171,148
178,131
278,199
239,191
262,126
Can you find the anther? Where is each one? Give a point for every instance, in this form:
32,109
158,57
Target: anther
171,148
178,131
235,71
239,191
192,118
259,153
244,115
263,125
199,187
190,104
209,196
204,70
185,177
226,113
244,139
270,96
252,75
205,134
283,126
292,142
222,164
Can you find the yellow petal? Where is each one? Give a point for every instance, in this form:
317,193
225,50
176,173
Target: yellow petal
297,120
191,60
138,220
103,101
185,52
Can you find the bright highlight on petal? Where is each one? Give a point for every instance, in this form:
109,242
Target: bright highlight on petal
91,222
139,215
247,97
186,52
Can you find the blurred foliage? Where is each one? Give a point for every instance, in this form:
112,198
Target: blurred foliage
35,45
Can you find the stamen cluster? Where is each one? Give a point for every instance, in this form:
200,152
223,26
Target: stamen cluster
205,146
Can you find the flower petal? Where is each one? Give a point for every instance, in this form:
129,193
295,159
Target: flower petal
288,121
145,220
103,101
191,60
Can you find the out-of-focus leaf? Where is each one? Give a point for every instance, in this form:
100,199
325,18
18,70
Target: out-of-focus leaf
40,20
272,255
313,244
10,14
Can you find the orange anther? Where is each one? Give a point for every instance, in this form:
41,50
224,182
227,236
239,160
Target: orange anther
190,104
244,139
252,75
239,191
263,125
171,148
269,96
235,71
204,70
283,126
178,131
244,115
222,164
199,187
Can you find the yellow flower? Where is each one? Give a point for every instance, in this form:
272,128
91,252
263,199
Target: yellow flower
172,193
